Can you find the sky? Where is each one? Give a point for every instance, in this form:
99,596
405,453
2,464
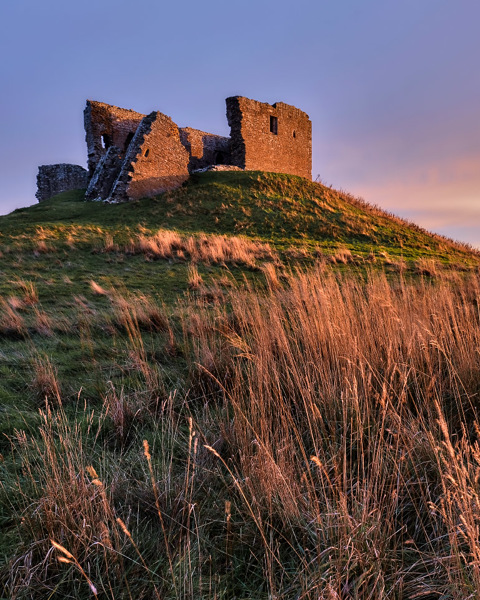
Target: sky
392,88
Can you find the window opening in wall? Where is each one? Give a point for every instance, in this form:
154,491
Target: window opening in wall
294,133
219,158
106,141
128,140
147,152
274,125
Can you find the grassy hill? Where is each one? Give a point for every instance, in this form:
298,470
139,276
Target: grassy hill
253,386
292,221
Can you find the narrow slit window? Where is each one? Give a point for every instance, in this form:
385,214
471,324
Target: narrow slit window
274,125
147,152
106,141
294,133
128,139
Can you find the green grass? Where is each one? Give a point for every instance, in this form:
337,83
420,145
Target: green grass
301,221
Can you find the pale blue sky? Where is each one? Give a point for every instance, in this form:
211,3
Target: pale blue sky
392,87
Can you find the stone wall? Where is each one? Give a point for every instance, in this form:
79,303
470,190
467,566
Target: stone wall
155,161
106,126
270,137
205,149
54,179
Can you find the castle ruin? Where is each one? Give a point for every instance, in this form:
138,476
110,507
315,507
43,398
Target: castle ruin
133,156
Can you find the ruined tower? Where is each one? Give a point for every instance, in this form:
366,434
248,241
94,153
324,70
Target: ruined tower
132,156
269,137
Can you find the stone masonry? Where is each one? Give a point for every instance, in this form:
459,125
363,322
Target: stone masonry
132,156
54,179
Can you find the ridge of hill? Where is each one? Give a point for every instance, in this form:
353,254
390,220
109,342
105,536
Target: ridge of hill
285,211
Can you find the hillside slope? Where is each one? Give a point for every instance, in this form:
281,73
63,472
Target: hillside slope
65,261
252,387
282,210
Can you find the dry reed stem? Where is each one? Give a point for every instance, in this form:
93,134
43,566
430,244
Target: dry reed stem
68,558
148,456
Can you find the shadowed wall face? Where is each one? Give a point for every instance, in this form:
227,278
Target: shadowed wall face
270,137
106,173
205,148
54,179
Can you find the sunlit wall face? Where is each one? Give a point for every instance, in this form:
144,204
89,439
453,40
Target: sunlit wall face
391,88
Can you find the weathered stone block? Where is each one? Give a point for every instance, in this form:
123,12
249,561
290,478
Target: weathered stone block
105,126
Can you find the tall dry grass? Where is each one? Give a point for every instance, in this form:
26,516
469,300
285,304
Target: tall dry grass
217,249
354,432
66,501
325,446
